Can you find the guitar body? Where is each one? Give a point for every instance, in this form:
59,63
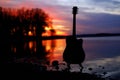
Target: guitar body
73,53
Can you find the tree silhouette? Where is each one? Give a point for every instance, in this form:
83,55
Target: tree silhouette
15,25
5,35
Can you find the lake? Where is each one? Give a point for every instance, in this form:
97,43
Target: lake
102,53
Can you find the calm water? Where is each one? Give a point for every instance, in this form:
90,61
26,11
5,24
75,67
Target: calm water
102,53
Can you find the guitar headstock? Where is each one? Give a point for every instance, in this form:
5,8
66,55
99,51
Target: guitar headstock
75,10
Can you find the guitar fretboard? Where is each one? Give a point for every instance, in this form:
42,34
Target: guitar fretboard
74,20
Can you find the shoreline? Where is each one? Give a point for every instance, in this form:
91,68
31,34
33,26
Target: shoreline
28,70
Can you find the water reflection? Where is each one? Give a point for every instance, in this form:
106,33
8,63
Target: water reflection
94,49
32,46
97,52
50,50
108,65
55,49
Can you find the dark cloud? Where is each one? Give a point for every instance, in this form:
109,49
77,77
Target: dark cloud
103,6
99,22
101,1
110,3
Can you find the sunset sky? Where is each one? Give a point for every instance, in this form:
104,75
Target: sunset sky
94,16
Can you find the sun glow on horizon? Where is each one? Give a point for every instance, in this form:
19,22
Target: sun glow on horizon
60,30
56,30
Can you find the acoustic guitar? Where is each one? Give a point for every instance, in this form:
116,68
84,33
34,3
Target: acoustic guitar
74,53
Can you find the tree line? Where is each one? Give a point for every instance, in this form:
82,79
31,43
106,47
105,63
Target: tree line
23,20
16,23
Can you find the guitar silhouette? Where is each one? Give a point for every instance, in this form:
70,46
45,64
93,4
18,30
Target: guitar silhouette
74,53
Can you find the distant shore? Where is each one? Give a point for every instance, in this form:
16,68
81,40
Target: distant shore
82,35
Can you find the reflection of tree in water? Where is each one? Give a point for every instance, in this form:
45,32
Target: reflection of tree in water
50,47
29,53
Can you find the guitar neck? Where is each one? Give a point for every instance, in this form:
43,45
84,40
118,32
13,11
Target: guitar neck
74,21
74,25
